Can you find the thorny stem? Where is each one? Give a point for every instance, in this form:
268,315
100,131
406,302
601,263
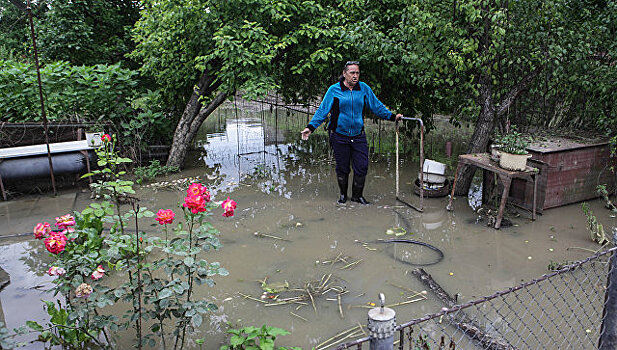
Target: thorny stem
138,321
87,333
159,317
190,278
103,330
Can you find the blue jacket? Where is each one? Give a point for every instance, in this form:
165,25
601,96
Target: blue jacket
345,107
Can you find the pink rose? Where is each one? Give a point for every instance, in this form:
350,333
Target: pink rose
196,189
165,216
56,271
195,203
106,138
229,206
65,221
98,273
41,230
55,243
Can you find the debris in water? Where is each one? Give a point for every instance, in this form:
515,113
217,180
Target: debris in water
259,234
397,231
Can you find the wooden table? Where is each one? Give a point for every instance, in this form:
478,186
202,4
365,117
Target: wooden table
482,160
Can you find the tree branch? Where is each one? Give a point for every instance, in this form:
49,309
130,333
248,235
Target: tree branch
516,90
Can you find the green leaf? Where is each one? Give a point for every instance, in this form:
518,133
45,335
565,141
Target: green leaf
165,293
236,340
34,326
197,320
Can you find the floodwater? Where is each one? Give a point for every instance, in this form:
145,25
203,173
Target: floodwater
286,188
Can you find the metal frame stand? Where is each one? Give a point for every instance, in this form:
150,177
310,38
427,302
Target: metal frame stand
421,208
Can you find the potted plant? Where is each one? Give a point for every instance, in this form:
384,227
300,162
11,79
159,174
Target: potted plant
512,147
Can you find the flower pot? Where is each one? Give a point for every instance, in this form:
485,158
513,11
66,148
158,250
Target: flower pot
516,162
93,139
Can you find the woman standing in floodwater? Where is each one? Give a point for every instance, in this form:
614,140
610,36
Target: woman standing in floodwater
345,101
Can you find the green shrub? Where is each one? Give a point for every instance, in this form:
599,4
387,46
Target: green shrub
76,93
153,170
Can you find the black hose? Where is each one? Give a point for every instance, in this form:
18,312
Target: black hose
411,241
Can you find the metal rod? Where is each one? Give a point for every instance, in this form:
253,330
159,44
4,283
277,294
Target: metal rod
608,329
38,75
421,208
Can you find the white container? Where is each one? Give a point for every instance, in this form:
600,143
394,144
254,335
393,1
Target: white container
433,178
93,139
433,167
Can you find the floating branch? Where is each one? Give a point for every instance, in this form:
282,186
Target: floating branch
261,235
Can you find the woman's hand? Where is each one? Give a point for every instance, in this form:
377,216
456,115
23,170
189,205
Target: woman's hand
398,117
306,133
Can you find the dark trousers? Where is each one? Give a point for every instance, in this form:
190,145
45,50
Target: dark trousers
350,149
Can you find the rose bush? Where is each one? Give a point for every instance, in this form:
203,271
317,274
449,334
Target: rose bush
158,289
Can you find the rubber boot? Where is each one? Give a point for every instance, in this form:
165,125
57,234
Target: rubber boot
342,185
356,190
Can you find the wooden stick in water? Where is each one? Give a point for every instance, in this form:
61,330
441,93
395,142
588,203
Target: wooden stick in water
340,308
312,300
340,334
351,264
298,316
259,234
250,297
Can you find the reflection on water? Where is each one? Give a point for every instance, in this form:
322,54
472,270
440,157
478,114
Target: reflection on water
286,188
245,149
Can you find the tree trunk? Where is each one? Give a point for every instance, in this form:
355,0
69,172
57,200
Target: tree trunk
192,118
481,133
486,122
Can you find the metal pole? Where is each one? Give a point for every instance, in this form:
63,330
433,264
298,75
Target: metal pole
381,326
396,123
38,75
608,331
421,208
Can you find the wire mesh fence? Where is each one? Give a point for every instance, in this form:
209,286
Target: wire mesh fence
560,310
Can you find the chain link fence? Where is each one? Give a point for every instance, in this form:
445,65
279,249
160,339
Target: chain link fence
564,309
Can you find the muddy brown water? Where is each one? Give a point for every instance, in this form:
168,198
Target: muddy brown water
287,189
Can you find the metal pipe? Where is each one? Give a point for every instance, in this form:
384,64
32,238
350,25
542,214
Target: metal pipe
38,75
421,208
608,329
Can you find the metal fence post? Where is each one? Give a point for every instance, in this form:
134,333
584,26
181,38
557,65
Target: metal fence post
608,332
381,325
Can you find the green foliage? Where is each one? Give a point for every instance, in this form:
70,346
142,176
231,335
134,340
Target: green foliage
555,266
77,93
603,192
6,338
159,287
254,338
512,141
153,170
87,31
254,46
596,229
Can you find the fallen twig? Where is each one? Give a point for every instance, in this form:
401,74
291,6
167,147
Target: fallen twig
259,234
351,264
298,316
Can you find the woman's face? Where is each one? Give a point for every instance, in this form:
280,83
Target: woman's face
352,74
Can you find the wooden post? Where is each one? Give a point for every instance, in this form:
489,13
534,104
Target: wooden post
608,331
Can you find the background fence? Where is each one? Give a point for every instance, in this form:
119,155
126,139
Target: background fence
560,310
